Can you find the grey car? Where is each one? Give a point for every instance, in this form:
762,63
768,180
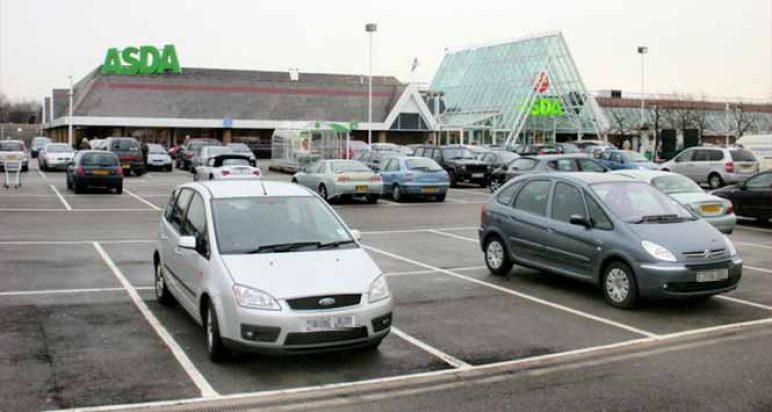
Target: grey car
609,230
713,165
335,179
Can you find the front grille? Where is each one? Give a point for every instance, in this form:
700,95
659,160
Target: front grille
709,265
307,338
701,255
476,168
313,302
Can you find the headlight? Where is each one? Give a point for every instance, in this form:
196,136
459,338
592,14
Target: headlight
254,299
730,246
657,251
379,290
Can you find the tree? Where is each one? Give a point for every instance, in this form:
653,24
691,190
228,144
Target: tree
22,111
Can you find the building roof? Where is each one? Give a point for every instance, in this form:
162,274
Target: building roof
218,94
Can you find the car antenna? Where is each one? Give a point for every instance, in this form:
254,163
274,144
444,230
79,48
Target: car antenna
265,192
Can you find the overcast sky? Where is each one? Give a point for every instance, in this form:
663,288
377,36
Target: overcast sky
716,47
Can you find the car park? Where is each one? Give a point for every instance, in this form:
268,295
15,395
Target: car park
268,267
158,158
612,231
625,159
187,152
55,156
129,153
405,177
543,164
461,164
751,198
714,165
243,149
95,168
229,166
38,143
336,179
715,210
14,151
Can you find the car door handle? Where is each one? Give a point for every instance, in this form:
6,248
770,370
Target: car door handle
164,237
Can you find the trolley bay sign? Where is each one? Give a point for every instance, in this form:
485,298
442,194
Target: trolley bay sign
141,60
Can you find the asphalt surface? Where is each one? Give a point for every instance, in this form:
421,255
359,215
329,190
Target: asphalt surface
71,334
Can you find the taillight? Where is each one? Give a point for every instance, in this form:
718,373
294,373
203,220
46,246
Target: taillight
729,167
342,178
189,155
80,171
225,173
119,171
730,210
483,214
375,178
408,177
257,172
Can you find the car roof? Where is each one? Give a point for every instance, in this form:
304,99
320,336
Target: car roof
591,178
556,156
642,174
220,189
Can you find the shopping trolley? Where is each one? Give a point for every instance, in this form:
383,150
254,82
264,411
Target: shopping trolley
12,173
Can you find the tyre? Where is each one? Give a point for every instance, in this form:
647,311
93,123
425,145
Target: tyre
295,181
440,198
119,189
496,257
494,185
619,286
484,183
452,178
25,168
139,172
168,168
69,184
372,199
322,190
214,346
715,181
77,188
211,176
162,293
396,193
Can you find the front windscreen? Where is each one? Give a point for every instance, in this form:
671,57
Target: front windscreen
423,164
638,202
256,224
675,183
11,147
344,166
155,148
458,154
125,145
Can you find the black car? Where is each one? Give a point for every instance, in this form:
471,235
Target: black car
752,198
461,164
129,153
543,164
188,151
498,158
95,168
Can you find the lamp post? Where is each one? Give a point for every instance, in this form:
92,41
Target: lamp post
370,28
642,50
69,117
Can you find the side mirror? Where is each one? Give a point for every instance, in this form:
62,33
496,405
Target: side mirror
357,235
579,221
187,242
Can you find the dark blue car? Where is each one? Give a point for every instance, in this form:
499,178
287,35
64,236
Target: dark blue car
413,177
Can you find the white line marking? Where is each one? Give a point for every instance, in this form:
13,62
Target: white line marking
450,360
206,389
710,329
71,242
426,272
744,302
752,245
518,294
389,202
76,210
757,269
450,235
43,175
388,232
67,291
64,202
452,200
469,192
145,201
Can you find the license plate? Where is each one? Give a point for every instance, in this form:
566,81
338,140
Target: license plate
430,190
712,275
747,167
11,157
361,189
477,175
710,209
328,323
125,165
101,172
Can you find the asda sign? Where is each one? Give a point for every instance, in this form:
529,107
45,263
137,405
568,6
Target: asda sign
544,106
141,60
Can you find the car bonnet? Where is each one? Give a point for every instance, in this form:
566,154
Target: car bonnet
681,237
297,274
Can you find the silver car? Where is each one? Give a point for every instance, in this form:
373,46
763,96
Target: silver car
14,151
715,210
713,165
205,153
268,267
623,235
334,179
55,156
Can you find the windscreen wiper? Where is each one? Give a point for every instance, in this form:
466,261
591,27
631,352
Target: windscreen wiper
335,244
283,247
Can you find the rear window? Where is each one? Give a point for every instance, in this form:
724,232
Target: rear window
98,159
11,147
424,164
523,164
58,148
125,145
343,166
742,156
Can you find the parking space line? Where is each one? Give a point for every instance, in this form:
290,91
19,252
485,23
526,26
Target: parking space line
744,302
453,200
518,294
145,201
77,210
426,272
450,235
198,379
43,175
389,202
757,269
470,192
67,291
388,232
450,360
752,245
758,229
59,195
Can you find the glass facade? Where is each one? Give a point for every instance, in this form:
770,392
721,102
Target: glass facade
527,89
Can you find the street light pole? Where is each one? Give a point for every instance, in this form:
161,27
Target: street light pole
642,50
370,28
69,118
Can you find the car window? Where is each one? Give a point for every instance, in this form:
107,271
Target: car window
533,197
598,217
761,181
507,193
715,155
11,147
563,165
98,159
742,156
605,156
233,162
567,201
587,165
195,218
675,183
617,157
348,166
523,164
632,201
180,207
701,156
169,209
125,145
686,156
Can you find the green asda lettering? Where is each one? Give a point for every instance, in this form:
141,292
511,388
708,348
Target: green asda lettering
141,60
544,106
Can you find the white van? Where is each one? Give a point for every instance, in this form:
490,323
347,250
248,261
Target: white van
761,146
